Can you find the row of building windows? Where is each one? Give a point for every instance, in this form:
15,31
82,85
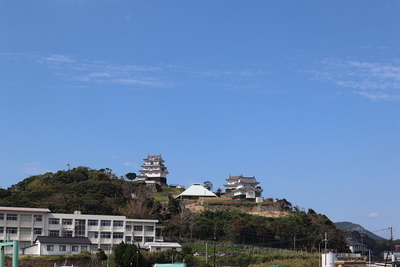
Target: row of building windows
56,221
38,231
23,217
64,248
22,231
90,222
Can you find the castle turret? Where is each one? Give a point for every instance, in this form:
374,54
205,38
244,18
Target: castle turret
153,170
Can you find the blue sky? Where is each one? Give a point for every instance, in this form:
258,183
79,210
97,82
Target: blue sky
303,95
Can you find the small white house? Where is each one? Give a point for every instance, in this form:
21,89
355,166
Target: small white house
157,246
56,245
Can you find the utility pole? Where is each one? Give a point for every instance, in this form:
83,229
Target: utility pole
294,243
369,258
206,251
390,245
362,243
215,240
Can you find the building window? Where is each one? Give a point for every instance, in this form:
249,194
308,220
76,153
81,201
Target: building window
12,217
149,239
93,222
1,230
50,247
118,235
37,218
12,230
1,216
75,248
80,227
128,239
67,233
54,233
25,218
105,235
128,227
54,221
138,228
37,231
25,231
93,234
67,221
118,223
137,239
149,228
105,223
63,248
84,248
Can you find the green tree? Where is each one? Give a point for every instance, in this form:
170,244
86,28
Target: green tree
101,255
218,192
131,176
125,254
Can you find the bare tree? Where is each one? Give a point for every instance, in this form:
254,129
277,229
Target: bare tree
185,219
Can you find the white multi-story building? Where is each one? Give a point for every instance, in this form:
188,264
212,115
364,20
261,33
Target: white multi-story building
153,170
241,187
104,231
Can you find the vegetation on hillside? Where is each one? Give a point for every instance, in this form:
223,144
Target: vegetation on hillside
102,192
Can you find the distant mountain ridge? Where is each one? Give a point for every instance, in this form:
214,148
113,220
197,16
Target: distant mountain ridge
356,227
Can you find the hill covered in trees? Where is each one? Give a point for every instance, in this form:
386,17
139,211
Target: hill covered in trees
102,192
358,228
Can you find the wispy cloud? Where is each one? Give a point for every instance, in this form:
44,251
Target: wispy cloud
85,73
31,168
100,72
131,164
372,80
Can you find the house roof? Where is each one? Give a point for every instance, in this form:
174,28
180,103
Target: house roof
198,191
162,244
63,240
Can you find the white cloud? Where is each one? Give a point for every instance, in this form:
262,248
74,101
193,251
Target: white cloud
373,215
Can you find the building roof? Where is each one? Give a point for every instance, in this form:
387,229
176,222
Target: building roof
63,240
175,264
154,158
247,180
348,263
24,209
196,190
